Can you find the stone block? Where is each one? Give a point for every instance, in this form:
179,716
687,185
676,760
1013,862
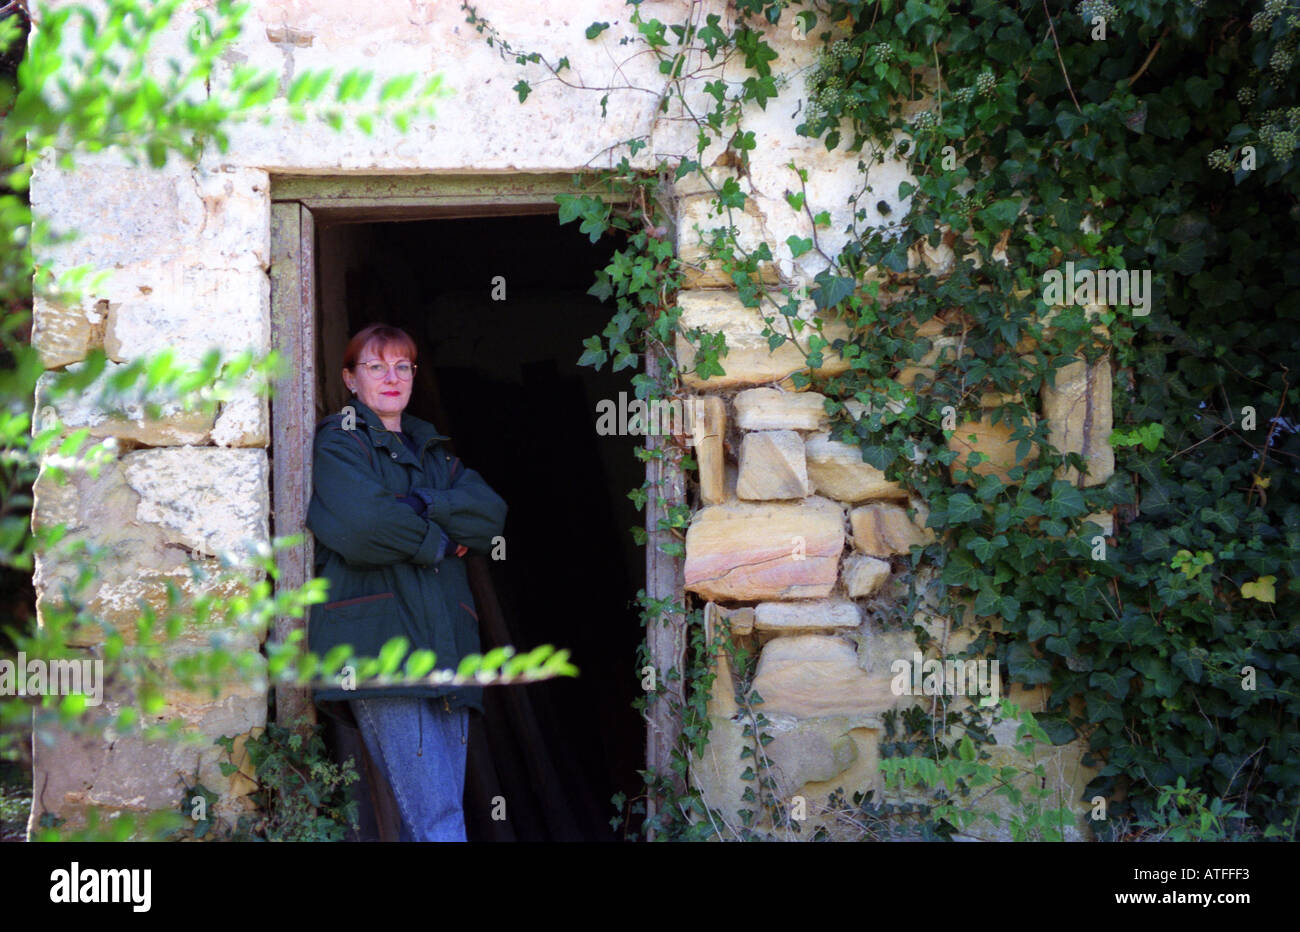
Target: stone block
125,416
811,752
707,417
696,223
992,440
772,466
716,773
750,359
198,309
206,497
861,776
121,215
821,615
98,510
244,421
119,606
811,676
1079,416
741,619
77,771
863,575
236,215
722,696
64,334
117,773
886,530
750,552
142,562
771,409
837,471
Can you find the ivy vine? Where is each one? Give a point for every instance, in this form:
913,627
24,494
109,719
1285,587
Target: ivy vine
1158,138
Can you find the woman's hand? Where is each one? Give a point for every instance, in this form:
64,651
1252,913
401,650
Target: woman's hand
470,512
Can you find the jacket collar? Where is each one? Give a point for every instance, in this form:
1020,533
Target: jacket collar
421,431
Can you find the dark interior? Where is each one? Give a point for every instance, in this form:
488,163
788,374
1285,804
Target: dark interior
501,378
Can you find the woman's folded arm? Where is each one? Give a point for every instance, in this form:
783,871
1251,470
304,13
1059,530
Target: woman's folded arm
353,513
470,512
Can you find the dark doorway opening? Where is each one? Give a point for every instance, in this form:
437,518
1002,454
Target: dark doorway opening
500,377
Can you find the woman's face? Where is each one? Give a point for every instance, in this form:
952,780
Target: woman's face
386,395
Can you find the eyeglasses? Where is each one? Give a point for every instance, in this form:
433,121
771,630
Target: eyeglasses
378,370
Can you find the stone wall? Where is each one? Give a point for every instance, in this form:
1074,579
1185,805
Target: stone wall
794,539
801,550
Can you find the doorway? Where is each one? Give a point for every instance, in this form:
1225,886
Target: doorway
496,301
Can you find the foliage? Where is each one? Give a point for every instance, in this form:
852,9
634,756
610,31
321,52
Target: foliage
302,793
966,767
1161,140
1181,814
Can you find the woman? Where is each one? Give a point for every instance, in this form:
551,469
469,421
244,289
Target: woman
393,513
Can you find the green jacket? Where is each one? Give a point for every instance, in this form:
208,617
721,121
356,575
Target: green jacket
379,555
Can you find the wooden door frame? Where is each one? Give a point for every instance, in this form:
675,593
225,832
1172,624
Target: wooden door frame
299,203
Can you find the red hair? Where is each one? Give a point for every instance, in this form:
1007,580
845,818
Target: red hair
385,337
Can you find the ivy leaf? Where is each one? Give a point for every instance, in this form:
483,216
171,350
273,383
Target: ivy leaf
1198,91
1058,729
760,90
988,487
1102,707
594,354
1001,214
881,457
983,548
1189,663
1010,608
987,603
757,52
798,245
896,259
963,509
1260,589
1066,501
731,195
832,289
522,89
596,29
1026,667
1055,528
1113,683
1067,121
1041,626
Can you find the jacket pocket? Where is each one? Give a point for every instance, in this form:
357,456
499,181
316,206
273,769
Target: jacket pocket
359,600
365,622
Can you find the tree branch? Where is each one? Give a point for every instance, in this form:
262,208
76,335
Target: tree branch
1052,29
1150,55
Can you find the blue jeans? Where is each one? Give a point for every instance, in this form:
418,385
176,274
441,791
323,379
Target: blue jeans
421,749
